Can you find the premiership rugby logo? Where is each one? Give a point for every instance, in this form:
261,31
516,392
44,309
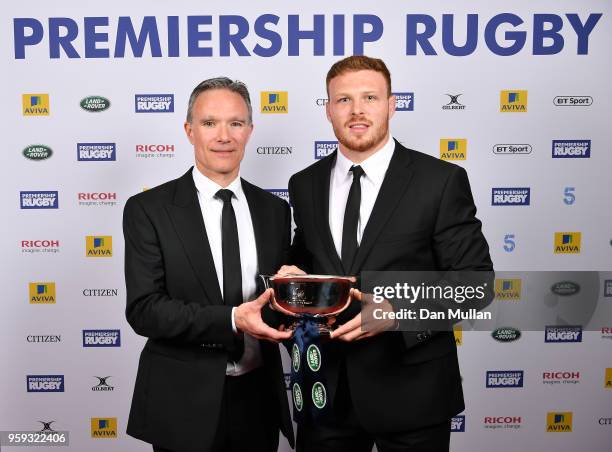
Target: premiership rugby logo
298,401
313,357
37,152
295,358
95,103
319,395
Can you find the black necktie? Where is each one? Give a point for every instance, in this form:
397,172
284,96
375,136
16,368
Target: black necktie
351,219
232,274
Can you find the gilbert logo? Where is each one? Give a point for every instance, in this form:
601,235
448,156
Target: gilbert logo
99,246
104,427
514,101
559,422
35,104
274,102
453,148
42,293
567,242
508,289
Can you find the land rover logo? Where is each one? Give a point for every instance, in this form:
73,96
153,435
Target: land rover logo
565,288
298,401
506,334
37,152
295,358
319,396
95,103
313,357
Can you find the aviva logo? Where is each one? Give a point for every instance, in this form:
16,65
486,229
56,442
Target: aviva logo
35,104
567,242
99,246
458,332
104,427
453,148
608,382
42,293
508,289
559,422
514,101
274,102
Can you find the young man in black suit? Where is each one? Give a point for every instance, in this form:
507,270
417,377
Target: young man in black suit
210,375
374,205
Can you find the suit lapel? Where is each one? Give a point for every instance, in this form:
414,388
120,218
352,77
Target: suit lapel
186,216
394,185
261,228
321,210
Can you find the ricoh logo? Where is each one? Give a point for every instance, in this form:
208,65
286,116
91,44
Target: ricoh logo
154,103
274,102
559,422
561,377
571,149
45,383
101,338
512,149
97,199
504,379
323,148
563,333
38,199
35,104
606,332
510,196
96,152
274,150
42,293
40,246
147,151
573,101
508,289
99,246
513,101
453,148
281,193
458,423
404,101
499,422
567,242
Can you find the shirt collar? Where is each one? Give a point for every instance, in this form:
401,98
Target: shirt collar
207,188
375,166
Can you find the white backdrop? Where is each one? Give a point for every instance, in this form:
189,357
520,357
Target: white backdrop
520,237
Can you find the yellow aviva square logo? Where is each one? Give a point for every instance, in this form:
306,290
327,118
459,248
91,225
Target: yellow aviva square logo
559,422
508,289
458,332
274,102
513,101
42,293
567,242
104,427
608,382
453,148
35,104
99,246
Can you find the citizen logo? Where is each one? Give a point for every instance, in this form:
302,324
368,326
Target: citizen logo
37,338
100,292
605,421
321,102
453,103
275,150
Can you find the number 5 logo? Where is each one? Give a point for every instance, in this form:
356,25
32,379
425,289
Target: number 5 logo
509,243
569,197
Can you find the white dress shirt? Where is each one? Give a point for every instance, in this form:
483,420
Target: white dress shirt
211,212
375,168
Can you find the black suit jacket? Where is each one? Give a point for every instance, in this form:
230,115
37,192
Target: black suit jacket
423,219
174,299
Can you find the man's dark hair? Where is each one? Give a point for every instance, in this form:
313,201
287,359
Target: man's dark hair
221,83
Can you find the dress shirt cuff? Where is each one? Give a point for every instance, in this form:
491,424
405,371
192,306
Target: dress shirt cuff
234,321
